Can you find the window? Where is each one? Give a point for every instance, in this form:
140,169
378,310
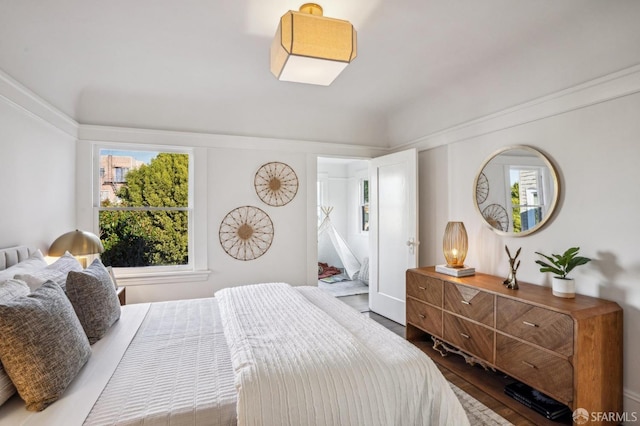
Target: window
120,174
526,200
364,205
144,212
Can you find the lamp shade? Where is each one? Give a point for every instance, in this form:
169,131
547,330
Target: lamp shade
78,243
454,244
310,48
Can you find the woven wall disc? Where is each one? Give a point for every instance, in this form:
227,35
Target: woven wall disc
246,233
276,184
482,189
496,216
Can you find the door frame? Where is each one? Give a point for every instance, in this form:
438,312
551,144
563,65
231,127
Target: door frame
312,231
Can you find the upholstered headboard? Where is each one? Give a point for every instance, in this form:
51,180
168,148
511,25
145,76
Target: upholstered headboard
12,255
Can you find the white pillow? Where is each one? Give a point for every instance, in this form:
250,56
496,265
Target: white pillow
56,272
35,262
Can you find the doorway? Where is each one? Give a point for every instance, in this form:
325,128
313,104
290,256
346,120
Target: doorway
381,224
342,220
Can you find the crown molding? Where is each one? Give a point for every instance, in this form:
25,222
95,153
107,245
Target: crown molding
97,134
18,96
606,88
609,87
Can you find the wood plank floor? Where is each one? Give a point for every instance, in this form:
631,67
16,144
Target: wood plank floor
360,302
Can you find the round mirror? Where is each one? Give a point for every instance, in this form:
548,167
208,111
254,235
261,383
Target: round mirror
516,191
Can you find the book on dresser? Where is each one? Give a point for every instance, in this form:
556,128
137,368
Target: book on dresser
548,407
567,349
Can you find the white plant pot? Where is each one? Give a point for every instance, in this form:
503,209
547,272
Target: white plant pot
564,287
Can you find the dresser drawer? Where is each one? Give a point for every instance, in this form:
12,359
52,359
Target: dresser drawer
470,337
542,370
543,327
469,302
424,288
424,316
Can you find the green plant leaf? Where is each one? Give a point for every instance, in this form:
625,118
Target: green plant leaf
561,265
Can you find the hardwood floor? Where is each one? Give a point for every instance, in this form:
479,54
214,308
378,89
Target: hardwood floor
360,302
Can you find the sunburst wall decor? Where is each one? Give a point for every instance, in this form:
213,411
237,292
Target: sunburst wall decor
482,188
246,233
276,183
496,216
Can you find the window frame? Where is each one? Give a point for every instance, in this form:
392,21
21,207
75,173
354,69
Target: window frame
363,204
540,189
131,272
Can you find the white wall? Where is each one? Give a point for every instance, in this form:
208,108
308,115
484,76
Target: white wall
37,171
596,151
230,176
226,166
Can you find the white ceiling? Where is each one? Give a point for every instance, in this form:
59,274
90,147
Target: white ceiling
203,66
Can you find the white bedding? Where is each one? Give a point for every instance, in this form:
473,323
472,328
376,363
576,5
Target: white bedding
301,358
75,404
161,364
177,371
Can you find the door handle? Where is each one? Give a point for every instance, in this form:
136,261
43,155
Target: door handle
412,244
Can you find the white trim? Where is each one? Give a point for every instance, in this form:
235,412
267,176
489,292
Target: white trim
126,280
606,88
197,198
99,134
312,220
18,96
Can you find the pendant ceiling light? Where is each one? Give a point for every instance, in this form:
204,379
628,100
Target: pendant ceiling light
310,48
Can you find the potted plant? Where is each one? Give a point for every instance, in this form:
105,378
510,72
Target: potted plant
561,265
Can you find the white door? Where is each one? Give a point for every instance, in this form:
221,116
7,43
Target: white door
393,232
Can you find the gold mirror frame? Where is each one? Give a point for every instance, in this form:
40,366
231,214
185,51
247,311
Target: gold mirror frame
481,178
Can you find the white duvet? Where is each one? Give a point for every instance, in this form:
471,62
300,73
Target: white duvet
301,357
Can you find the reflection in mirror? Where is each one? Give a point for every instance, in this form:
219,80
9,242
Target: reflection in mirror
516,190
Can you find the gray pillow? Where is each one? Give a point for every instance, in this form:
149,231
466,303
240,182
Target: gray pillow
42,345
34,263
9,290
93,296
56,272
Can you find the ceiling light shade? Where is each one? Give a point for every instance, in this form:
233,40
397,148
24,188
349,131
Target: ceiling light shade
78,243
310,48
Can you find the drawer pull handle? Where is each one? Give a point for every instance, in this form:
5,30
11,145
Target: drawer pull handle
466,336
528,364
530,324
421,288
465,302
421,316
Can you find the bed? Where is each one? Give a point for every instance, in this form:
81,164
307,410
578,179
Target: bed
263,354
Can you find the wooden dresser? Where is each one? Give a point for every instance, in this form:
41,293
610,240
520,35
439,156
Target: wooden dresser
569,349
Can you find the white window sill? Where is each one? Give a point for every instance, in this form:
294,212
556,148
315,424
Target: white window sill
155,278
